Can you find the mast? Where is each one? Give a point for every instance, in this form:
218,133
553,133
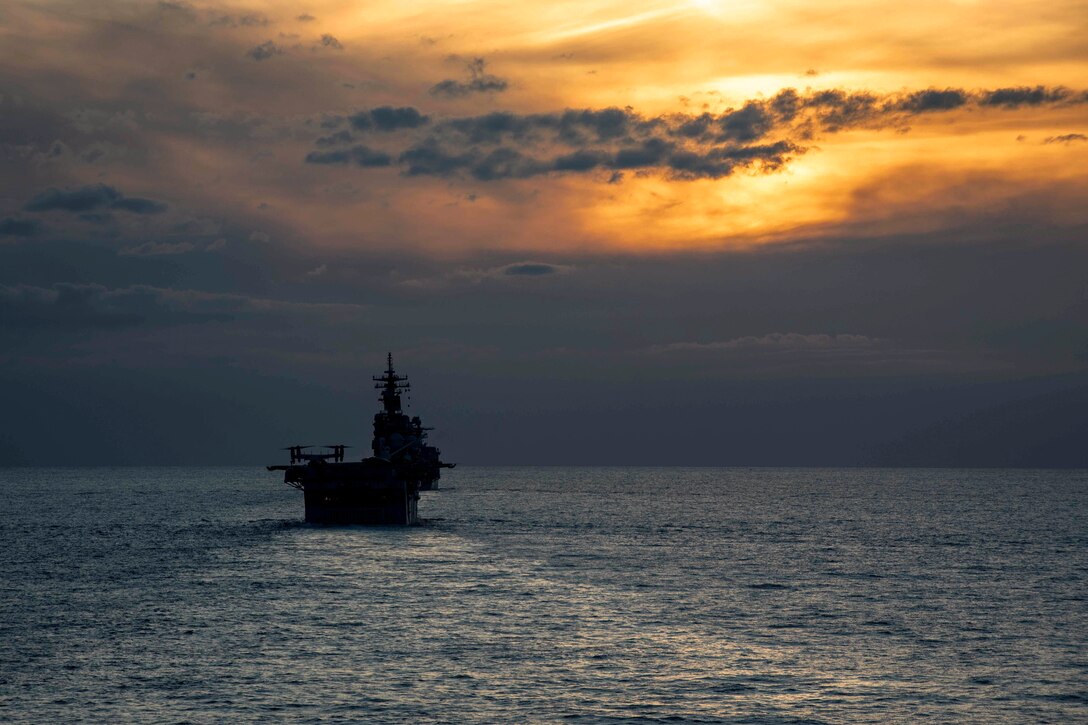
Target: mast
391,386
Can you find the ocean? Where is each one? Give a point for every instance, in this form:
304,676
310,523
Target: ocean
548,594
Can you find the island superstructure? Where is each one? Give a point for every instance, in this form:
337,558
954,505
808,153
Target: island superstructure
380,489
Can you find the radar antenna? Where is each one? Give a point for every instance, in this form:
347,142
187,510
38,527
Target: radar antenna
391,386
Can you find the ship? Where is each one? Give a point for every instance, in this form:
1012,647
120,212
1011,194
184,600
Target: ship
381,489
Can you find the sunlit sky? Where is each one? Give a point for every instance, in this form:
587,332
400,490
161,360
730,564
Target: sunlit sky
214,107
583,191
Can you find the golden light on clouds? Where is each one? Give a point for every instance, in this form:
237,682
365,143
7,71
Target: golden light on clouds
228,101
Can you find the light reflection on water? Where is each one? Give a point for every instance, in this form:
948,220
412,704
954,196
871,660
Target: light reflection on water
540,594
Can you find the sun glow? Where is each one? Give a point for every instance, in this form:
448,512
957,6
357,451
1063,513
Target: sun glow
728,9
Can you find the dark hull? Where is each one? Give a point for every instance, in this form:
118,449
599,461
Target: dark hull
389,506
372,491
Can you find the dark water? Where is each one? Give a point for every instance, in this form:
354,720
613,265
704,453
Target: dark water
585,595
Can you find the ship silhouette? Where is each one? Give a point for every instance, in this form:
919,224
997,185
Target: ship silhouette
380,489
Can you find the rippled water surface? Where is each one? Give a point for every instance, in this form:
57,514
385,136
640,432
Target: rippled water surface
539,594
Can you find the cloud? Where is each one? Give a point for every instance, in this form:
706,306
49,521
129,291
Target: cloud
139,206
329,41
479,81
84,198
15,227
157,249
265,50
328,157
91,198
1023,96
334,139
933,100
453,88
507,274
364,156
249,20
429,159
751,122
179,12
305,18
432,158
515,270
387,118
360,155
179,8
1067,138
530,269
760,136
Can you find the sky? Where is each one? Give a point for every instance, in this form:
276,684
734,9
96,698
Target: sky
647,233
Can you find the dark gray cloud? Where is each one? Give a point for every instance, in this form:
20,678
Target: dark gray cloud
335,139
530,269
453,88
751,122
137,205
650,152
761,136
723,161
91,199
179,12
305,18
253,20
264,51
506,163
428,159
368,157
359,155
505,145
16,227
328,157
478,81
493,127
249,20
832,110
1066,138
388,118
330,41
585,160
1024,96
607,124
933,100
179,8
84,198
